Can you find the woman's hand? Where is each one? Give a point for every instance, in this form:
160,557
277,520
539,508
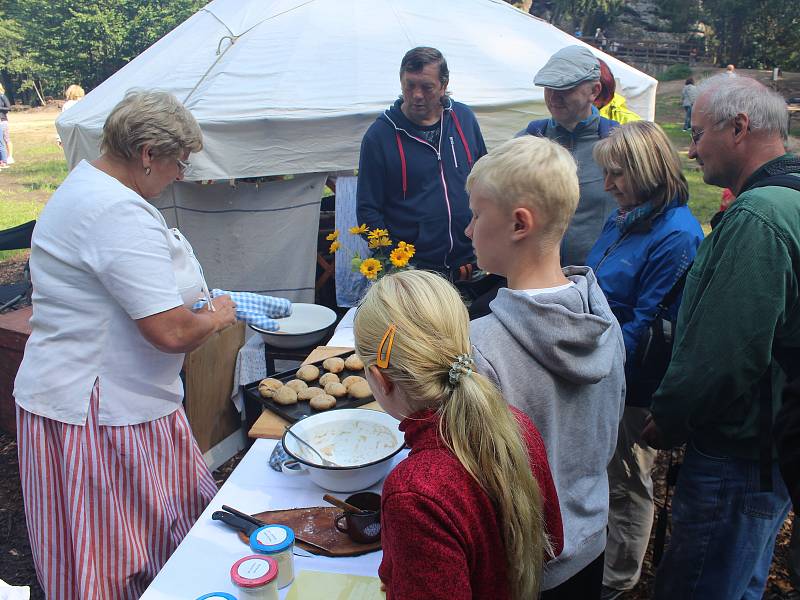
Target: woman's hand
224,312
180,330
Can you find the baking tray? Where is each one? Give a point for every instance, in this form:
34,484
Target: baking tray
301,410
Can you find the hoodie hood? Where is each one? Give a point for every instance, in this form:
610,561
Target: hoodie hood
576,335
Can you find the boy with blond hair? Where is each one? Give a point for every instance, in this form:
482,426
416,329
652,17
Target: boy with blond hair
551,343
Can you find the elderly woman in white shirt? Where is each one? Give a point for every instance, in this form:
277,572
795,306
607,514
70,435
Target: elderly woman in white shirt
111,475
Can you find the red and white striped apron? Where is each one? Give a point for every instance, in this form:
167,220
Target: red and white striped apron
106,506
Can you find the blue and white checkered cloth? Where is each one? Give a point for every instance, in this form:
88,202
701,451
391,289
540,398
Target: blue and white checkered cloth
255,309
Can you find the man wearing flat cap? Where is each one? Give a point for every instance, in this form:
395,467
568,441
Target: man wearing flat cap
571,82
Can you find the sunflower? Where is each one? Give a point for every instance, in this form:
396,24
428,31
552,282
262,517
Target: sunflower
370,268
399,257
331,237
358,229
380,242
335,246
378,233
408,248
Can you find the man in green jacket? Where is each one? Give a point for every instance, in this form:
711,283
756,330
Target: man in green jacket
739,319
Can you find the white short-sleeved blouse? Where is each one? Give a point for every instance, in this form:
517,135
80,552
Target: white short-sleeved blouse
101,257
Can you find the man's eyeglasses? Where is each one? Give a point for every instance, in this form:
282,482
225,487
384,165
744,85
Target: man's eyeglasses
182,165
696,134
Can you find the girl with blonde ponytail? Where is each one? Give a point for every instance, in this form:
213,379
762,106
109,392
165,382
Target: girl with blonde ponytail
472,512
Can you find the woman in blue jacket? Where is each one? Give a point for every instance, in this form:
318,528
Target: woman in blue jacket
644,249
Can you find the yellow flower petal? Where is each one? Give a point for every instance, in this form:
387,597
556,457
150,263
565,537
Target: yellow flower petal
335,246
384,241
378,233
332,236
399,257
359,229
370,268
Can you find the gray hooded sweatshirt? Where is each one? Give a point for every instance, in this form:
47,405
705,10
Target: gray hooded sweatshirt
560,358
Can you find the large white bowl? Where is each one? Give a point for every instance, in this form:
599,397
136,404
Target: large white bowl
362,441
307,325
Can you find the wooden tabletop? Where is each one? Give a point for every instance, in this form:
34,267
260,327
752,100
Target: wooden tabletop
270,426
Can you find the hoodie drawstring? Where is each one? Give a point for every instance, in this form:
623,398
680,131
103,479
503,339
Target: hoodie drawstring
402,162
463,139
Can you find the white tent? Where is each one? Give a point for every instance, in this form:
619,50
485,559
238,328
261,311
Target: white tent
290,86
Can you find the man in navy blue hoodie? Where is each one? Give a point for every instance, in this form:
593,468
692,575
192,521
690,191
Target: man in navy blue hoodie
414,163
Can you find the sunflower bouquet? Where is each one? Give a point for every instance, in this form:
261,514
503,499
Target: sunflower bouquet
386,257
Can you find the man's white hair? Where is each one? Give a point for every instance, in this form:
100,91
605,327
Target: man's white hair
725,97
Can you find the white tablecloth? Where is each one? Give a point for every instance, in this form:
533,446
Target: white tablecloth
202,562
343,334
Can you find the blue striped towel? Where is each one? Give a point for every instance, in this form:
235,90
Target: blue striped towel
255,309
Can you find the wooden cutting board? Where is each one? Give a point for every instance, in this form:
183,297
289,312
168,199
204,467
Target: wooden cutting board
316,524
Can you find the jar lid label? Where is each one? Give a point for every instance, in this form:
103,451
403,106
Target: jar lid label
254,571
272,536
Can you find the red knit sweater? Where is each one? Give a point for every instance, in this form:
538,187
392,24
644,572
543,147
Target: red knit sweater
440,532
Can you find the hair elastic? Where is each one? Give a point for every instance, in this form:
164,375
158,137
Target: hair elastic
463,365
385,347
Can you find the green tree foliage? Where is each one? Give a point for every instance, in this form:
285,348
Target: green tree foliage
747,33
47,45
755,33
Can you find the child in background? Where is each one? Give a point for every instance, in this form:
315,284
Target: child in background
551,342
472,513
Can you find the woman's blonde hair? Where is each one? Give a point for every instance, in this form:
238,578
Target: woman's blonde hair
432,330
532,172
154,118
74,92
643,153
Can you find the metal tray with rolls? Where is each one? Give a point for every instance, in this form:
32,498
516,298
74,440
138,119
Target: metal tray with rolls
295,412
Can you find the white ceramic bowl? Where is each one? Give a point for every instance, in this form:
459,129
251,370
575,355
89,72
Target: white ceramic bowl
307,325
362,441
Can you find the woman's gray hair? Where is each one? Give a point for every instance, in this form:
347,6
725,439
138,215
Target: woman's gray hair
725,97
153,118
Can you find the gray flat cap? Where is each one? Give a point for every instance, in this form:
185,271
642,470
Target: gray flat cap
567,68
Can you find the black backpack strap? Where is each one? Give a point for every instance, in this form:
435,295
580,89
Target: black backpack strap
765,416
765,431
605,126
786,180
537,128
673,293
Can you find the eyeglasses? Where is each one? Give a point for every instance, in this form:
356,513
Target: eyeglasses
697,134
182,165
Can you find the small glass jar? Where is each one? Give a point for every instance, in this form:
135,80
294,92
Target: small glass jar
277,541
217,596
256,576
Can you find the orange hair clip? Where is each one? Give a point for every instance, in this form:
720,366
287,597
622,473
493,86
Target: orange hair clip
385,347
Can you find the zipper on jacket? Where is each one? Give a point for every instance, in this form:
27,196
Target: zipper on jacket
441,173
453,148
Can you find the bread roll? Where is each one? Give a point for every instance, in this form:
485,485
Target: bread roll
353,363
360,389
337,390
351,379
285,396
328,378
308,373
268,386
309,393
297,384
323,402
334,365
